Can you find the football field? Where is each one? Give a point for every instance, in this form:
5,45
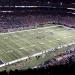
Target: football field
18,44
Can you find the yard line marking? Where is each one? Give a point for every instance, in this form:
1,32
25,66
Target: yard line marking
33,50
50,41
41,43
9,51
65,45
33,45
65,37
57,39
22,48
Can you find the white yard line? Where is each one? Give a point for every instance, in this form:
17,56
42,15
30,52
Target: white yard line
34,55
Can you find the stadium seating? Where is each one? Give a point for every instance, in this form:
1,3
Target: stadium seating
24,21
68,57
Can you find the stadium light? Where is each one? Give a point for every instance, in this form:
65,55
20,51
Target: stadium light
71,8
6,11
61,3
48,2
73,13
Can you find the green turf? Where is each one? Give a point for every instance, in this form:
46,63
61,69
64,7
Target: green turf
27,42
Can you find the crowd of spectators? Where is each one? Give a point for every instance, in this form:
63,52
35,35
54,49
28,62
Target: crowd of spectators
31,3
65,58
13,22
